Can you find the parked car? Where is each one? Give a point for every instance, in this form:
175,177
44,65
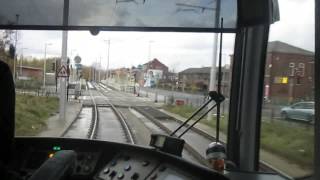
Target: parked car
303,111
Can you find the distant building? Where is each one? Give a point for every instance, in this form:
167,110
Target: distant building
27,72
200,78
137,75
153,72
289,72
120,73
156,65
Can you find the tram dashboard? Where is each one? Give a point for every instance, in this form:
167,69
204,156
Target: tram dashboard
101,160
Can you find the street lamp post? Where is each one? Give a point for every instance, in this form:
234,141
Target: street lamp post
149,50
71,55
15,47
44,64
108,56
21,59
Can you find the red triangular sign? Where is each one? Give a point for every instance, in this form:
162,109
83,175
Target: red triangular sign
63,72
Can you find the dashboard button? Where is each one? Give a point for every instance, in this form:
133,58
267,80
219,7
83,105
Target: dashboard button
113,163
145,163
135,176
153,177
162,168
126,158
80,157
106,170
89,157
112,174
86,168
127,167
120,176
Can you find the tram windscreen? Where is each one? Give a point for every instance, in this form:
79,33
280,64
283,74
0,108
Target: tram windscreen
120,13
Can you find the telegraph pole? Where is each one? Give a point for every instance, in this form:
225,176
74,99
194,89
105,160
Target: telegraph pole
62,110
212,85
15,47
44,65
99,70
149,50
108,56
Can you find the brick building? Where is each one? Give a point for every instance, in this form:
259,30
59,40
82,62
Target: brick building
155,64
153,72
200,78
289,73
26,72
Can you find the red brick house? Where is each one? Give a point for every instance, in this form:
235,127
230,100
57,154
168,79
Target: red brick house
200,77
155,64
27,72
289,73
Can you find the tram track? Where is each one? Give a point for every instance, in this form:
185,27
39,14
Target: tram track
129,138
93,126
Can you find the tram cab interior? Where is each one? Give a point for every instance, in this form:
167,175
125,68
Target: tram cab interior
250,20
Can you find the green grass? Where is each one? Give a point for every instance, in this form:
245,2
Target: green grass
187,110
32,113
290,141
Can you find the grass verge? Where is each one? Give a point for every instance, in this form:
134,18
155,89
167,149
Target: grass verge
32,113
290,141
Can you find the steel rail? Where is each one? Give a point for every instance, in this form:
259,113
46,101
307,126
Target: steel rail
121,118
95,118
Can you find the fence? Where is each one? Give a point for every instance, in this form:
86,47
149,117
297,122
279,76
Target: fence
36,92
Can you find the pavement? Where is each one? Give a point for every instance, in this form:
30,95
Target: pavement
55,127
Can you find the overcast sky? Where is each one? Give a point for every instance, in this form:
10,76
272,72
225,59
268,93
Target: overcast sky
177,50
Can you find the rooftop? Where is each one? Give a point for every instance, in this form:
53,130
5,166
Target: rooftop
29,67
278,46
203,70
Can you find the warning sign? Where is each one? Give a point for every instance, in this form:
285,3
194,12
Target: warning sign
63,72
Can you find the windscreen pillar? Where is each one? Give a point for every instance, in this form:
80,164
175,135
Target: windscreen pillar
254,19
246,100
254,45
317,93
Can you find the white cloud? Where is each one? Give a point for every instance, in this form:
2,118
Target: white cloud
296,25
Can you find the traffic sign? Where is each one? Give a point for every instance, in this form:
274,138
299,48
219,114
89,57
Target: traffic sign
77,59
78,66
63,72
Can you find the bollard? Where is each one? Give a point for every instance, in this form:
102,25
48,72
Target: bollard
156,97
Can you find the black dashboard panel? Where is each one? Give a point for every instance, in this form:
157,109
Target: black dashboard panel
101,160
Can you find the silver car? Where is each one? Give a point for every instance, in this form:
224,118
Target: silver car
303,111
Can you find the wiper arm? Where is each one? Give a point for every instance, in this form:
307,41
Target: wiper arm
211,94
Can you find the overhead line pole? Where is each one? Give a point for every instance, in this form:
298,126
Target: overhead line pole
214,57
108,62
62,110
15,47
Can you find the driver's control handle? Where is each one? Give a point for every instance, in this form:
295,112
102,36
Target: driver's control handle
57,167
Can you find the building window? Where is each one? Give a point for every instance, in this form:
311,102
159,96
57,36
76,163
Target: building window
280,80
298,80
301,67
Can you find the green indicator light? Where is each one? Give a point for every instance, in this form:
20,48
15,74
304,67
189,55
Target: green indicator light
56,148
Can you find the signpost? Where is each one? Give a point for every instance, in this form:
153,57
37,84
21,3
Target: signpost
63,72
77,61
